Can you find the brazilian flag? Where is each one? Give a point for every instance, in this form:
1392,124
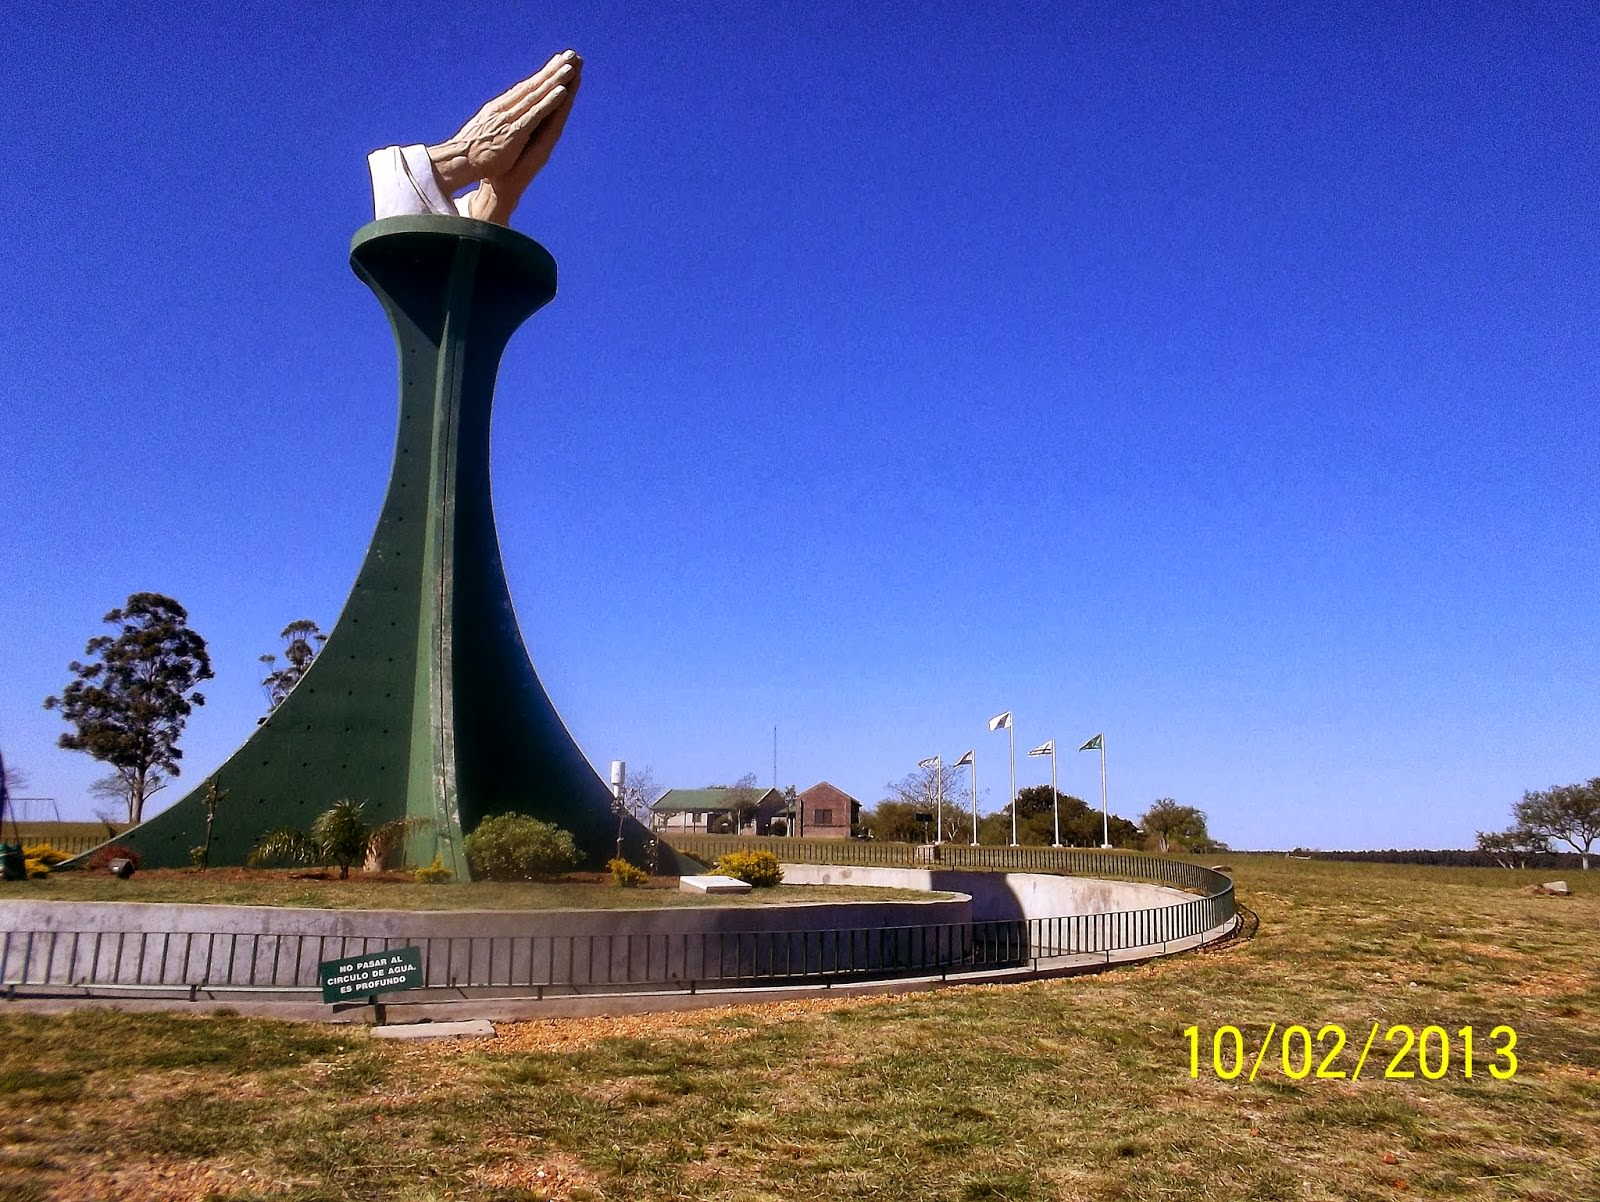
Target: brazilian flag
1094,744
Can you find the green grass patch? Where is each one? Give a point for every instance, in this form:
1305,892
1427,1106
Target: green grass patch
1070,1089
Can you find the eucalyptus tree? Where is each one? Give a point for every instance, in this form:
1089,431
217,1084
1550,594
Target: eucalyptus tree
302,638
129,701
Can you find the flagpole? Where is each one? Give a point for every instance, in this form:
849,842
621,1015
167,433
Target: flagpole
1105,811
1011,729
1055,797
938,793
974,764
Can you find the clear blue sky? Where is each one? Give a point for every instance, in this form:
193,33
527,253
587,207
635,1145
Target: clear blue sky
1222,377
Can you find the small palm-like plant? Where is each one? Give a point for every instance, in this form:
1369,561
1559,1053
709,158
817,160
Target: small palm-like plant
339,835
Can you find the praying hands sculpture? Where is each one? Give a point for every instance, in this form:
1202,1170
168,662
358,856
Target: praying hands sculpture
501,149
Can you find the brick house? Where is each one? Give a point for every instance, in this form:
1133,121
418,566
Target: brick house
827,812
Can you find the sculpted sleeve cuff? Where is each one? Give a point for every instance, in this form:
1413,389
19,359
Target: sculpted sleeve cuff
403,182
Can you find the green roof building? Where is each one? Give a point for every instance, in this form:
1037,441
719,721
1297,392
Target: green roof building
720,811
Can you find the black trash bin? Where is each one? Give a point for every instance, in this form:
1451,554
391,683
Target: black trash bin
12,866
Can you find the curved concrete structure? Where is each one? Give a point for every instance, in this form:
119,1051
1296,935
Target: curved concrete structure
1001,895
991,927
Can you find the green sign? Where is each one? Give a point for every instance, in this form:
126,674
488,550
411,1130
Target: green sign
362,976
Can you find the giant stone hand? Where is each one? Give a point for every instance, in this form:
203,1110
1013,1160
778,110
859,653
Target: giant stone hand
509,139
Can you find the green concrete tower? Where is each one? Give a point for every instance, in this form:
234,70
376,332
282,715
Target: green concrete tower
423,702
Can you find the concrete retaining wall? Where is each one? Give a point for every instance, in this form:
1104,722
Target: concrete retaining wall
1000,895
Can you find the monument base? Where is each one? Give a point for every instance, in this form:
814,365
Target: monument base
423,704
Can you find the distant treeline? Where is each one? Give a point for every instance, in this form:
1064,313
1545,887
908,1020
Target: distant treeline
1445,858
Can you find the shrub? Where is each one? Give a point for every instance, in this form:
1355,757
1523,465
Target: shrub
101,860
434,874
339,835
40,858
758,868
514,847
625,875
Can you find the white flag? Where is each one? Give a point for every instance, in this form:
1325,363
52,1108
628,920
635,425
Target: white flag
1000,721
931,762
1048,747
966,759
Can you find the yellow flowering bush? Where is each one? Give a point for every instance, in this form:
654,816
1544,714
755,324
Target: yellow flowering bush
758,868
40,858
625,875
433,874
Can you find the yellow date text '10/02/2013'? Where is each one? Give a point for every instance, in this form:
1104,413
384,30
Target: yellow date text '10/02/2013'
1407,1053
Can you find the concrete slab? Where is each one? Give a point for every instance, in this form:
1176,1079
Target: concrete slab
472,1028
712,884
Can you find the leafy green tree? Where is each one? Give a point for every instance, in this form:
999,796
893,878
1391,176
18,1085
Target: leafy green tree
1511,848
1174,827
339,835
129,703
303,638
1569,814
1080,822
1036,816
994,830
893,821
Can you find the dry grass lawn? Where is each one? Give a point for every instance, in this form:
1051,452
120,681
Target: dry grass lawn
1071,1089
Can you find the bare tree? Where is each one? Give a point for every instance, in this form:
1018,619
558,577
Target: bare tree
212,799
919,791
121,787
16,780
640,792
